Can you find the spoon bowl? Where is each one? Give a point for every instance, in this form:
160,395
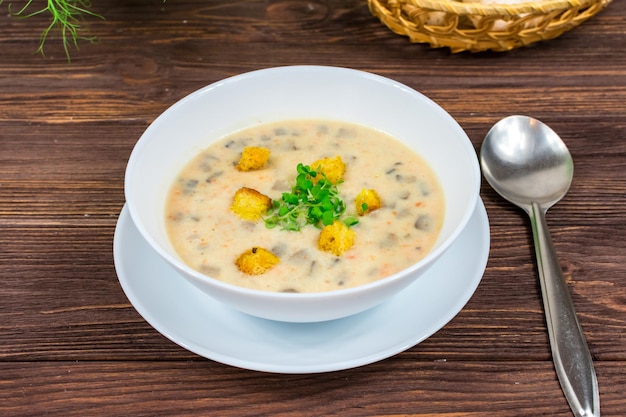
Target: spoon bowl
524,160
528,164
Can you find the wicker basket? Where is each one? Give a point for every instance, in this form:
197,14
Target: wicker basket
474,26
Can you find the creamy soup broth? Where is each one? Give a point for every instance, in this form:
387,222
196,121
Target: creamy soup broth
208,236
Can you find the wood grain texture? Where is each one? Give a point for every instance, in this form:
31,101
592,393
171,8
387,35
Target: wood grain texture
162,388
71,343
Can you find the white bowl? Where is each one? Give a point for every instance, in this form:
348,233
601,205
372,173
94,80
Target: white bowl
300,92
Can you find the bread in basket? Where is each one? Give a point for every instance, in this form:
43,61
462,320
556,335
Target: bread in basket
480,25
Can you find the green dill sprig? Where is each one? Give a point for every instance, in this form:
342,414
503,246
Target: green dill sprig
317,203
65,16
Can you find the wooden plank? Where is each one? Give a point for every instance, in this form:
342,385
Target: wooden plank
391,387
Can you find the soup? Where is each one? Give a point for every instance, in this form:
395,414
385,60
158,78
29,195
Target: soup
211,237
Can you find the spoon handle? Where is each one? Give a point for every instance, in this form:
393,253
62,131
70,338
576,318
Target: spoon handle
570,353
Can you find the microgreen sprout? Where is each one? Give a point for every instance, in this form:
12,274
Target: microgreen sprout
312,200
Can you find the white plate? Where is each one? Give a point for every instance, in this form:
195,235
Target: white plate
208,328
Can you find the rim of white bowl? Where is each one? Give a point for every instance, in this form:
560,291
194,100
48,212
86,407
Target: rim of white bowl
432,256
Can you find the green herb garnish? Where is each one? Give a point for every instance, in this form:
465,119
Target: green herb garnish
312,200
65,17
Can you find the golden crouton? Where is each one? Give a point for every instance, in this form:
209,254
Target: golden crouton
256,261
252,158
336,238
332,168
249,204
367,201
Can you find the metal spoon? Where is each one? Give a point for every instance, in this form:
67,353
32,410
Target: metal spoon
528,164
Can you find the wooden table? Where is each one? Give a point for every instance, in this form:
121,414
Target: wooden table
71,344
